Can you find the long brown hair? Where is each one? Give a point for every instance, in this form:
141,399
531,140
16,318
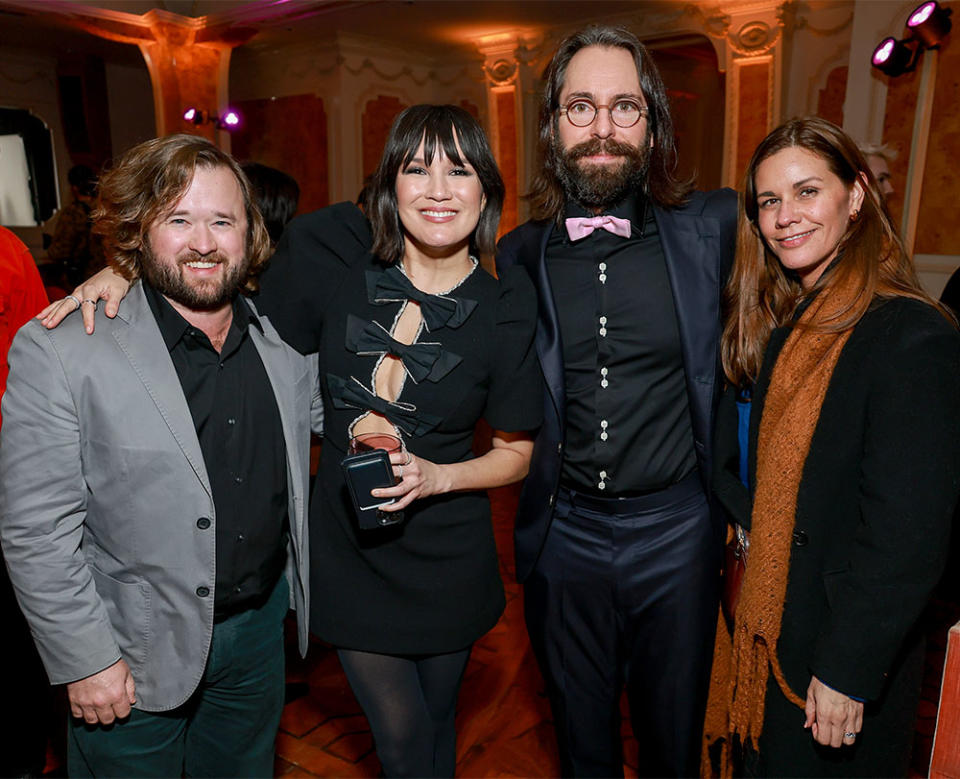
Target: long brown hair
147,182
761,295
547,195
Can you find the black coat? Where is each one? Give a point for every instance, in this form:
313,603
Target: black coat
698,244
872,526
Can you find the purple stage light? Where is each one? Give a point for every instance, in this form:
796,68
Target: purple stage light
894,58
190,114
929,23
882,53
921,13
231,118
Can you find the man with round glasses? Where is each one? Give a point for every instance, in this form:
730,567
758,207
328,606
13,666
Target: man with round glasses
617,543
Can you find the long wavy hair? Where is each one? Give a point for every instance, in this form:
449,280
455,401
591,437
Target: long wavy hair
147,183
762,295
547,195
440,128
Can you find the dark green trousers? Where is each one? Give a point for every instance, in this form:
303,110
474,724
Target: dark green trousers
228,726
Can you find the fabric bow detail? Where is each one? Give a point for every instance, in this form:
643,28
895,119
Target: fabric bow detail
581,226
392,286
352,394
420,360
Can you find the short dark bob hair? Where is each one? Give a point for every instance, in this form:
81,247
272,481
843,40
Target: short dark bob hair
440,127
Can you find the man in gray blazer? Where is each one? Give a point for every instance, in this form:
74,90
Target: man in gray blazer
153,483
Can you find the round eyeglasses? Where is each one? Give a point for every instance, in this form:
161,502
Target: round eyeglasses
625,112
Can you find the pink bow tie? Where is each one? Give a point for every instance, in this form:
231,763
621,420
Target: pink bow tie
581,226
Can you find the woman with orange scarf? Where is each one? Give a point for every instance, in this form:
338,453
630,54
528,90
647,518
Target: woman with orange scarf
851,475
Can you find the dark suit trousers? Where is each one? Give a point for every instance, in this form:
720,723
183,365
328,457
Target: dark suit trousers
624,594
228,726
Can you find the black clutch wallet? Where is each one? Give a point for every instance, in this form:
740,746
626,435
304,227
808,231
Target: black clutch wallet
363,473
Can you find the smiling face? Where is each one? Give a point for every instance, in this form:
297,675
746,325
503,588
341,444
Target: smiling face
439,203
601,162
804,210
196,252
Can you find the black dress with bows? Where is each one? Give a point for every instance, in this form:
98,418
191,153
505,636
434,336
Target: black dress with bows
430,584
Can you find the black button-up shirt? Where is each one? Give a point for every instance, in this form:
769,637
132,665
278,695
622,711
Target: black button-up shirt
628,427
237,421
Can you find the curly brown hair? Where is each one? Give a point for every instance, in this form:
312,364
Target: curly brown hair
147,182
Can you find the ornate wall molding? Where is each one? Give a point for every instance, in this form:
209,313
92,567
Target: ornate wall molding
502,72
803,23
754,38
818,82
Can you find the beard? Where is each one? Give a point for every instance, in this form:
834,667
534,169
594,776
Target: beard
168,278
602,186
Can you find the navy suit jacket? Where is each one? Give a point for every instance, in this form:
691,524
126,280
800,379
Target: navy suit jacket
698,245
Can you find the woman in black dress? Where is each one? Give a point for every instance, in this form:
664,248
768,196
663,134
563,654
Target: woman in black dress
853,466
404,604
416,340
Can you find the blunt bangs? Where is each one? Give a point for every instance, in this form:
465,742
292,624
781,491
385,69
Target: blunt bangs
439,128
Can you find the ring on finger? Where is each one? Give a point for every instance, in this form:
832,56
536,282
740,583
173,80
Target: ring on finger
74,298
400,469
848,734
409,458
90,300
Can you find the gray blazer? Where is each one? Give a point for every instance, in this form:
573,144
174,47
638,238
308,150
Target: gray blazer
102,484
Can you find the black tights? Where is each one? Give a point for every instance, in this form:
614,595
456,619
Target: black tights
410,703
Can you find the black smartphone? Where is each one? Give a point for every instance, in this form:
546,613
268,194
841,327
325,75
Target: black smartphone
365,472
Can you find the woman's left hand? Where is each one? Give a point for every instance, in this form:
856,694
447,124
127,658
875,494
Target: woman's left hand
834,719
418,478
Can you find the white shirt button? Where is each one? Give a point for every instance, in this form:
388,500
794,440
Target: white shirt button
604,383
603,266
603,278
603,320
601,485
603,331
603,371
604,424
603,474
604,436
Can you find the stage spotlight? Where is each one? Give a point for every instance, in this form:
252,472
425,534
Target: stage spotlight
229,121
893,57
929,23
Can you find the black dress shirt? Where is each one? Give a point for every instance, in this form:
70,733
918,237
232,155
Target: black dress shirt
237,421
628,428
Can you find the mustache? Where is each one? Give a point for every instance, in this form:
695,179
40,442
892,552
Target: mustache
189,255
603,146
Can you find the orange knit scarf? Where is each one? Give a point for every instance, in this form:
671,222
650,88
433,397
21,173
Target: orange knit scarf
742,664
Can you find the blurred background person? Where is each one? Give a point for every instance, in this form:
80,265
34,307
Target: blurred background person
277,195
24,725
853,466
878,159
73,247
